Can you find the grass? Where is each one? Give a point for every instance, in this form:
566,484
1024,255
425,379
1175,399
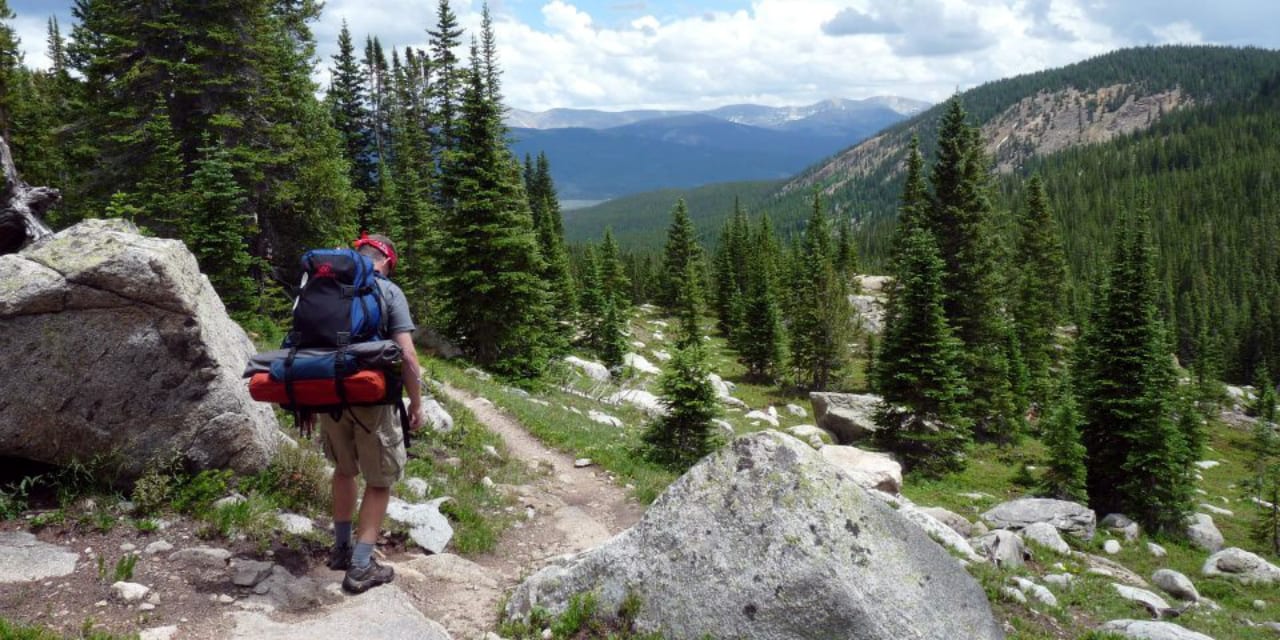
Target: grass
558,426
15,631
582,618
455,464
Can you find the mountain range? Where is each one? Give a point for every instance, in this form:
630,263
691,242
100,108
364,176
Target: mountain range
597,155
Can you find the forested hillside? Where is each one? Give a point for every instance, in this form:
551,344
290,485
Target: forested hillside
1198,141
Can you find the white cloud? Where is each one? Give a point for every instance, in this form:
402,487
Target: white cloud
595,54
1181,32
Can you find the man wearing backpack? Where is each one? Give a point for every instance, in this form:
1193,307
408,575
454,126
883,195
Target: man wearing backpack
368,440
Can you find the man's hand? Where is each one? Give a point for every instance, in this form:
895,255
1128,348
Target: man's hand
415,415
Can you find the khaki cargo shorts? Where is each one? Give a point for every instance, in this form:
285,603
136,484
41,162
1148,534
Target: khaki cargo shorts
377,454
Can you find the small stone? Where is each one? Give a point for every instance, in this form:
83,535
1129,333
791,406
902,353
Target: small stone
1156,550
487,482
225,599
228,501
1259,604
159,546
295,524
582,462
129,591
529,513
128,546
546,634
248,573
100,603
1112,547
146,606
160,633
488,448
1014,594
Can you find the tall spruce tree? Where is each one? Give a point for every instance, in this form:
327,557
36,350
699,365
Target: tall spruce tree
449,79
1039,288
684,434
731,273
961,220
613,273
545,206
1138,459
1263,486
10,63
918,367
821,319
761,338
347,101
592,300
496,302
1065,472
681,251
218,227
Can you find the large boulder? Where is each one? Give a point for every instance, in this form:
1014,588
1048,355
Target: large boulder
127,356
1068,517
869,312
1175,584
1203,533
594,370
848,416
1240,564
870,469
641,399
1151,630
764,539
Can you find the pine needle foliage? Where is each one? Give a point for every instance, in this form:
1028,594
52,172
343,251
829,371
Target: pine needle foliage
685,433
1139,462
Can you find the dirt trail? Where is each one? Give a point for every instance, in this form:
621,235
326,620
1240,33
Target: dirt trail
573,510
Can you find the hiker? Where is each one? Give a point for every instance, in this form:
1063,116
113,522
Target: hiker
368,440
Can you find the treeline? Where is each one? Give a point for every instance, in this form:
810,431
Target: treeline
199,121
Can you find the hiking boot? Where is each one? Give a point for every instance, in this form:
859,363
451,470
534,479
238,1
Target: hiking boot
361,579
339,557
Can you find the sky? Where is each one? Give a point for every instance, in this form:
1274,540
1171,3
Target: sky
701,54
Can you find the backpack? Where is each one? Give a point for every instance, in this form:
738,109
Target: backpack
339,304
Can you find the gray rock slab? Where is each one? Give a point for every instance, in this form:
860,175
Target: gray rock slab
1203,533
385,612
1242,565
1151,601
248,573
296,524
201,557
1068,517
848,416
1175,584
1002,547
1151,630
940,532
870,469
957,522
23,558
134,315
764,539
428,528
1046,535
437,417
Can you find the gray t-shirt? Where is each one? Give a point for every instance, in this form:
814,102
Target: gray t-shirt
396,306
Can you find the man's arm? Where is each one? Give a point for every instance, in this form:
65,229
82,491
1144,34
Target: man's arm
412,375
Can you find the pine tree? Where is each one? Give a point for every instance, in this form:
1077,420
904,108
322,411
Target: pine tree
961,220
688,309
684,434
917,369
613,275
10,62
1138,459
1263,486
1039,295
612,336
731,275
496,303
447,88
347,97
591,309
680,251
1065,471
545,206
761,336
821,320
846,259
218,226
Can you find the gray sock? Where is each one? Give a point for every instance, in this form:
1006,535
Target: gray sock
342,534
362,555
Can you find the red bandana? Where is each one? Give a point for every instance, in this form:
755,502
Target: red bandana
380,246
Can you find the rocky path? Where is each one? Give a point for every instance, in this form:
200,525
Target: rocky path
572,509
